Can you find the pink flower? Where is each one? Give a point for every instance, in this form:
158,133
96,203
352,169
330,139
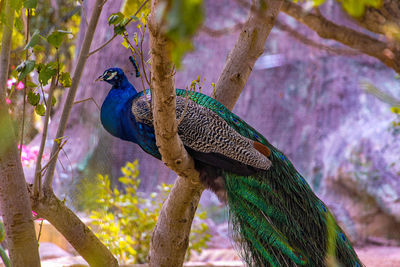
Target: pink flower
30,154
10,82
34,214
20,86
8,101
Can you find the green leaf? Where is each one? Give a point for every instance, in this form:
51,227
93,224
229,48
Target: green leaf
115,18
30,3
119,29
130,7
31,84
2,232
356,8
19,25
34,39
53,101
40,110
16,5
57,37
65,79
24,68
33,98
319,2
395,110
46,72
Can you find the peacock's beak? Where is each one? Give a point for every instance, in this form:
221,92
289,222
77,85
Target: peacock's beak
101,78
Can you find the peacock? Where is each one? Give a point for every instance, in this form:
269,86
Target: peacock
276,218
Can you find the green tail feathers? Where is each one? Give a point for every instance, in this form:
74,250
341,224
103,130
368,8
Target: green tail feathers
279,221
277,218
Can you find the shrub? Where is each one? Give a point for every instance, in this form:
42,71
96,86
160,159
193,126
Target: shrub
124,221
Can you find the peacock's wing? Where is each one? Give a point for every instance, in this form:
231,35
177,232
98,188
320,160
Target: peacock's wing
210,137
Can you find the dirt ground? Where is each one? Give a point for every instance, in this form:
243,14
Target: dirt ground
371,256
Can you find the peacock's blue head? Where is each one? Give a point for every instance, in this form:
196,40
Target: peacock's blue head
114,76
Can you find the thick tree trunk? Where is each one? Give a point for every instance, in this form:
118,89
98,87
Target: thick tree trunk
14,200
171,235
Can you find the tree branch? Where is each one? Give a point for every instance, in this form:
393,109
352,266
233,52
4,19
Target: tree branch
171,234
14,199
307,41
73,229
38,169
115,35
248,48
352,38
83,55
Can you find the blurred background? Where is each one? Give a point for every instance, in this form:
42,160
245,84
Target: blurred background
308,96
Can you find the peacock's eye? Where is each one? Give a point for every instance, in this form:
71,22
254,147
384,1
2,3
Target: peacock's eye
110,75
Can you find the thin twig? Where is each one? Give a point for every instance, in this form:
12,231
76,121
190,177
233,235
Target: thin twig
60,146
352,38
25,87
84,13
302,38
87,99
74,87
40,231
142,57
115,35
220,32
102,46
37,184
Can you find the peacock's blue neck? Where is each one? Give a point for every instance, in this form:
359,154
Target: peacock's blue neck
116,110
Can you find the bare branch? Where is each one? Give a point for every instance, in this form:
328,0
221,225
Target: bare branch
352,38
73,229
295,34
115,35
220,32
102,46
38,174
74,87
378,93
248,48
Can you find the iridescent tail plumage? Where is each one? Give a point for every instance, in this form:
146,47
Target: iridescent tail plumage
279,221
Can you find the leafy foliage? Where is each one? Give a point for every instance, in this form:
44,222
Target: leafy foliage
356,8
181,20
129,7
124,221
396,123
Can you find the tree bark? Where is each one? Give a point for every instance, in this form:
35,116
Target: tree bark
170,237
325,28
171,234
74,230
14,200
249,46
